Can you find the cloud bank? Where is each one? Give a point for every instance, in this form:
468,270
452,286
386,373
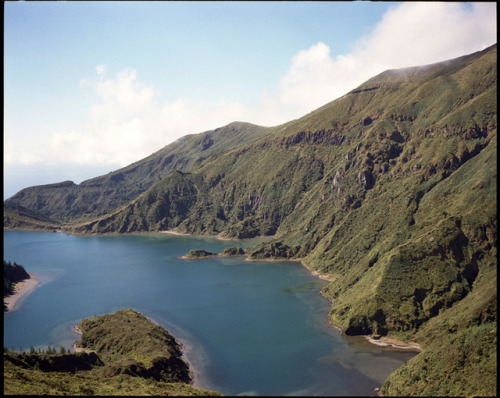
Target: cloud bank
128,120
411,34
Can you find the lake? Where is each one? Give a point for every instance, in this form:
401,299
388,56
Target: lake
251,328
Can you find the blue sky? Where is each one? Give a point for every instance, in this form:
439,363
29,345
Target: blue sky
93,86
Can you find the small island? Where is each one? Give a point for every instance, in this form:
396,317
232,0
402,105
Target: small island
200,253
120,353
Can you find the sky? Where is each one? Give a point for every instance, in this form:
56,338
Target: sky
93,86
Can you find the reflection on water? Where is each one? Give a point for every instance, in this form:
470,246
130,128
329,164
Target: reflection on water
252,328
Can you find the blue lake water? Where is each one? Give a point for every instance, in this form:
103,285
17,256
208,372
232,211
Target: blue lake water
247,327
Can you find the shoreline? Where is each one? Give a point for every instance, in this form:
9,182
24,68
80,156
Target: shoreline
315,273
21,290
395,343
217,237
173,233
77,330
382,341
187,350
188,353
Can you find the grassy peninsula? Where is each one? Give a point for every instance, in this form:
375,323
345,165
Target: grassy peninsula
389,191
123,354
13,273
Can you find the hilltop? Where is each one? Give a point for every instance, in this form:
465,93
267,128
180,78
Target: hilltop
124,353
389,191
67,202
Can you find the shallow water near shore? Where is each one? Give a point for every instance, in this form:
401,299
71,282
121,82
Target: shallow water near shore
253,328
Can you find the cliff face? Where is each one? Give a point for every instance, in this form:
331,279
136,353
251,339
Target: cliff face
389,190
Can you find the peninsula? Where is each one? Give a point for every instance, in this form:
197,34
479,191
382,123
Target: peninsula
17,284
119,353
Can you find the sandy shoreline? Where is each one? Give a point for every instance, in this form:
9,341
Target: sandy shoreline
74,347
21,289
183,234
173,233
314,273
383,341
387,341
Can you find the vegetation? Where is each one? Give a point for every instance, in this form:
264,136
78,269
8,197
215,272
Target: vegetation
233,251
390,191
128,355
19,217
12,274
67,202
199,253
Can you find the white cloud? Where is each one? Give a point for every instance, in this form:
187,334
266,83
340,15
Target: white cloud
420,33
100,69
411,34
29,154
128,121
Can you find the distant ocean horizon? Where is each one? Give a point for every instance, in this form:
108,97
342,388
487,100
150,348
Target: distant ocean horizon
247,327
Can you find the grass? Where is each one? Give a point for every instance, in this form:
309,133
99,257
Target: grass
129,356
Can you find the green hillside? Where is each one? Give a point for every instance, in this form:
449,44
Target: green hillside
17,216
125,354
390,192
66,202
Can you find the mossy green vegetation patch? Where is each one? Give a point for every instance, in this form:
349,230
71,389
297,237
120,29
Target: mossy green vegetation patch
463,363
127,355
233,251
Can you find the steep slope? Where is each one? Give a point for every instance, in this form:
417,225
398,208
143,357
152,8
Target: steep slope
67,202
390,191
368,135
16,216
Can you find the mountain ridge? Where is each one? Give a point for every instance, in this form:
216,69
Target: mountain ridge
67,202
390,191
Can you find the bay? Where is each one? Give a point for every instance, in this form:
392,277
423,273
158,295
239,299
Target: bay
250,328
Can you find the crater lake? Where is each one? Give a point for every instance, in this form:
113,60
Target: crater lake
249,328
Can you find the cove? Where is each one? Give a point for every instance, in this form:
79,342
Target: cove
252,328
